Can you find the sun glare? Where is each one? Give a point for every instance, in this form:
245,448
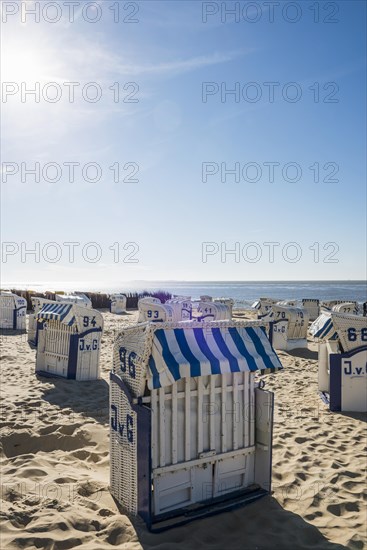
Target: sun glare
23,65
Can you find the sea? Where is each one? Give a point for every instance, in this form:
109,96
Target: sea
244,293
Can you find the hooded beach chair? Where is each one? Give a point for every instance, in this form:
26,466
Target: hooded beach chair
68,341
191,429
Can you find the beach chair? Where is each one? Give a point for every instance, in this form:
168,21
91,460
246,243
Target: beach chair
183,307
206,298
327,305
287,303
159,312
190,429
13,311
213,311
68,341
289,327
118,303
312,306
265,306
74,298
346,307
343,364
229,302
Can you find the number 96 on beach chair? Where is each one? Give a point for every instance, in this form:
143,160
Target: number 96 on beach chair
191,430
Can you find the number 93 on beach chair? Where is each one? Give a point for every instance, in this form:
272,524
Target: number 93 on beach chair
191,430
68,341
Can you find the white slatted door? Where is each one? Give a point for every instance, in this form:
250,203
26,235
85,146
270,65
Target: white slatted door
195,424
57,345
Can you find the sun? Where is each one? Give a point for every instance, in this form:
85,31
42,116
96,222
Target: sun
22,65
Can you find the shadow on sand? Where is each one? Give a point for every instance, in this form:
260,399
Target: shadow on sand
304,353
263,525
90,399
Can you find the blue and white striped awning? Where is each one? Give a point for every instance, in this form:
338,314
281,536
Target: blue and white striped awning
57,312
190,352
323,328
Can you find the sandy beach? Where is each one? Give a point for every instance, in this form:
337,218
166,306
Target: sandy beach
55,466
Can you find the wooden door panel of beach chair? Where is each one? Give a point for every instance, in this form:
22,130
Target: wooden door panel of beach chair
195,385
264,414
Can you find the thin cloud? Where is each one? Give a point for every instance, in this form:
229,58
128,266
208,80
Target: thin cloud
178,66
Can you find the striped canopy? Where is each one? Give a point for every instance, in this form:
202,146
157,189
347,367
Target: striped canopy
190,352
323,328
57,312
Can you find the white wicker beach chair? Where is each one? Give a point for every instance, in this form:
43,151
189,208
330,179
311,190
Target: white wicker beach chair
68,341
213,311
312,306
159,312
289,327
13,311
74,298
118,303
346,307
190,427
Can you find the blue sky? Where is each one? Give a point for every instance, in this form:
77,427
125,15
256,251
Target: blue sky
169,54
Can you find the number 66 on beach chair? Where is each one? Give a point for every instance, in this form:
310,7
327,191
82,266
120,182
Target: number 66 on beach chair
191,430
343,364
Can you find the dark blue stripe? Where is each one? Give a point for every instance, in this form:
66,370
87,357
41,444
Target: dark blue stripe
73,356
167,355
330,327
233,363
260,348
66,312
323,328
335,382
155,373
187,353
203,345
240,345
